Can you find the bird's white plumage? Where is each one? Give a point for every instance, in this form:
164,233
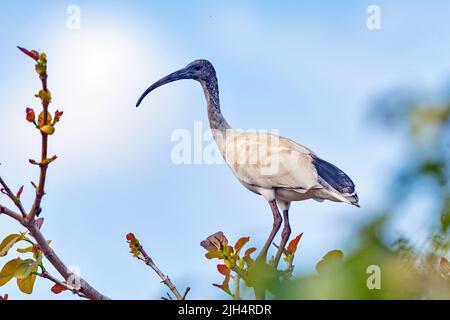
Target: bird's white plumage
273,166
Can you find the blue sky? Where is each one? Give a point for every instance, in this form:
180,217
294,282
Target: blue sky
309,70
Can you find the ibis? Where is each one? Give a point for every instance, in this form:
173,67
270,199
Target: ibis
277,168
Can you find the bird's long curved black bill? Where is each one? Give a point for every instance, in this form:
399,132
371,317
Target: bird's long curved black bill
177,75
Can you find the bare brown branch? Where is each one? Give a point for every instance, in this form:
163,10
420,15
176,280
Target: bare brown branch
85,288
165,279
46,275
10,213
237,287
29,222
40,191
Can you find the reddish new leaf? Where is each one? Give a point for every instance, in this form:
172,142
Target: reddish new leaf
225,285
247,254
130,236
33,54
215,241
39,222
249,251
58,288
19,193
30,115
58,115
292,247
223,269
240,243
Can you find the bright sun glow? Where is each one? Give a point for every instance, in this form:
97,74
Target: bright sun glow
92,72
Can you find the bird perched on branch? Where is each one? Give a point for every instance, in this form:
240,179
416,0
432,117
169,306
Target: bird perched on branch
274,167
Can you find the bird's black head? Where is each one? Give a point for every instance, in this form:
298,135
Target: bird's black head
200,70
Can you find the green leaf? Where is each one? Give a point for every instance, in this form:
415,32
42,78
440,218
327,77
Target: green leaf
445,215
9,270
333,254
26,285
214,254
25,250
329,261
25,268
8,242
26,275
230,262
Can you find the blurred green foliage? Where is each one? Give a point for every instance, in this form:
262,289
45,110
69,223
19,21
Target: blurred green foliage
424,122
404,269
403,273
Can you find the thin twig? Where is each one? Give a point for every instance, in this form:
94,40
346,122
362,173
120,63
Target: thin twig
237,287
40,190
260,293
165,279
240,273
51,256
46,275
29,222
13,198
185,293
85,287
10,213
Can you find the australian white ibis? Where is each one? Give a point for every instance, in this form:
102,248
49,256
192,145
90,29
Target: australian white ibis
274,167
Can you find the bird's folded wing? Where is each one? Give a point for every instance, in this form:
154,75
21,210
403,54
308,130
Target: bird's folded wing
331,176
270,161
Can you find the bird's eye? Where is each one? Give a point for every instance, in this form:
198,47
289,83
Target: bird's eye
197,68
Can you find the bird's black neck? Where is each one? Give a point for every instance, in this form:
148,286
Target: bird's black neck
211,90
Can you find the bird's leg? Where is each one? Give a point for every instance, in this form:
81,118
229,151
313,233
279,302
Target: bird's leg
284,237
276,226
